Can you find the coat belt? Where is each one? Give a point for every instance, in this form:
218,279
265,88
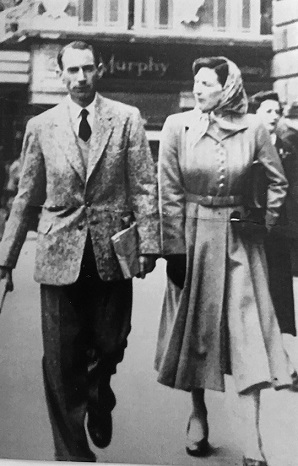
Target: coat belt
215,201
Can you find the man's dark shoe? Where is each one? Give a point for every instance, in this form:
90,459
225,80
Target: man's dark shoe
100,427
99,424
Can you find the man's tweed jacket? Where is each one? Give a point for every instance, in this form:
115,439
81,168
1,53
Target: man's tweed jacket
120,178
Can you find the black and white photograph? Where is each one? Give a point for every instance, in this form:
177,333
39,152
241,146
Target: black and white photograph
149,232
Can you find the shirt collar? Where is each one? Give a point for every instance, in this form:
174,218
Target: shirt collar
75,109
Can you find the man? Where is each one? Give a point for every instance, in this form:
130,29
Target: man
287,131
87,163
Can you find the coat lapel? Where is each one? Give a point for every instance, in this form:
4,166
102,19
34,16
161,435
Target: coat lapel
101,133
66,139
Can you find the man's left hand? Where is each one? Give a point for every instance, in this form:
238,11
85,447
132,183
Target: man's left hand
147,264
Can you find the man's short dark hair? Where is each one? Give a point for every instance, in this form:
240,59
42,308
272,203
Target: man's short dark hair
77,45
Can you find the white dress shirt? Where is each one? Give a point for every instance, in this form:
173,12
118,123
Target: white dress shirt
75,114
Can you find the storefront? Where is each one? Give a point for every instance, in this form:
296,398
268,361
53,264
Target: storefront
155,77
14,82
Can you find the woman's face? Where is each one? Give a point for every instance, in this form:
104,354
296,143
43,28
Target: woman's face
207,89
270,113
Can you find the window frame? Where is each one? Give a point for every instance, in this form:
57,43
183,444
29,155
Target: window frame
122,21
169,24
234,17
81,5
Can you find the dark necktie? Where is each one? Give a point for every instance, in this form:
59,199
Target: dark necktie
84,128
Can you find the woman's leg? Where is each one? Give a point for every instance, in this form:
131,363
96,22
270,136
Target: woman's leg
197,429
250,413
198,425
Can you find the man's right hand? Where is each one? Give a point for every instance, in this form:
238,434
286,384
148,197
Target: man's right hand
6,274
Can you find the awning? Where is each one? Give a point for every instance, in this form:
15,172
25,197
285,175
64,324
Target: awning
14,67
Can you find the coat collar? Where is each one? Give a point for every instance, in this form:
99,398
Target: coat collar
219,128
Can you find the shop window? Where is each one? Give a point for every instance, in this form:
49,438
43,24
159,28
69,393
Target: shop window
230,16
220,14
87,11
266,16
152,14
245,14
214,14
164,13
131,14
119,13
113,11
144,13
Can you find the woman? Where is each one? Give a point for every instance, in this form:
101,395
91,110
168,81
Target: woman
267,106
217,316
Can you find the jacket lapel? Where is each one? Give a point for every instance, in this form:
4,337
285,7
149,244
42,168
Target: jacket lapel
101,133
66,139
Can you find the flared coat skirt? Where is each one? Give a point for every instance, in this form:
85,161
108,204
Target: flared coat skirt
223,320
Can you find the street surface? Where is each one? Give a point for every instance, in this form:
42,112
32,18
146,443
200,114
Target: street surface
149,419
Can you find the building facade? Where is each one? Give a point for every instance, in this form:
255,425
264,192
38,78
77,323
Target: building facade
147,47
285,45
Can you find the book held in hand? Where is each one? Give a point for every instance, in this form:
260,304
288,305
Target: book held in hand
125,245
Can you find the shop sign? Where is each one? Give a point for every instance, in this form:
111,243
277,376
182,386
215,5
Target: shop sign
135,68
135,63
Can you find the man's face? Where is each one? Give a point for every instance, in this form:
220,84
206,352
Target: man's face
79,75
269,111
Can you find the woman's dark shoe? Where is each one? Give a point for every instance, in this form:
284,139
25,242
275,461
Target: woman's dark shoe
252,462
197,447
201,448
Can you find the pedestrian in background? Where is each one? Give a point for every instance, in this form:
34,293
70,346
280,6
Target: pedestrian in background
287,130
87,163
11,187
217,316
277,243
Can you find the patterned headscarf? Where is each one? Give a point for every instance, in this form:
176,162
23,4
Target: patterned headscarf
234,99
233,102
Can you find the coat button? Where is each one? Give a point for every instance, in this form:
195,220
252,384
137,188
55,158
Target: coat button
88,204
80,226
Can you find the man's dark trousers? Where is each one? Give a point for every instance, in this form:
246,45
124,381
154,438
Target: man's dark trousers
85,327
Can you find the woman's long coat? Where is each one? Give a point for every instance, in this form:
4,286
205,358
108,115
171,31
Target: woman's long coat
223,320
